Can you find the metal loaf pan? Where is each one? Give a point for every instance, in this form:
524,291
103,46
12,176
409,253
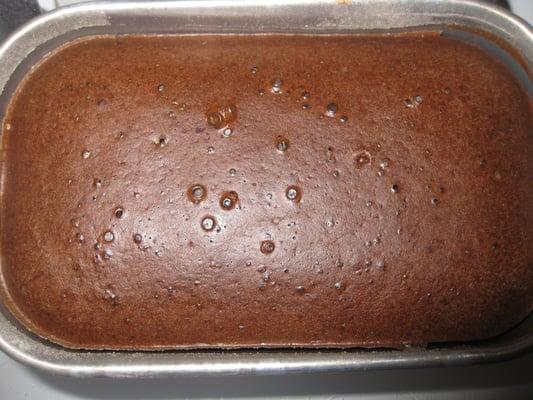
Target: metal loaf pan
468,19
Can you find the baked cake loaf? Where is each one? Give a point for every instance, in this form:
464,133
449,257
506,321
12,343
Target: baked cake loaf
267,191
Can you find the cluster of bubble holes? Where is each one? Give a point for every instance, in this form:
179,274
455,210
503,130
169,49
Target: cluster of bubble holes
221,118
104,253
276,87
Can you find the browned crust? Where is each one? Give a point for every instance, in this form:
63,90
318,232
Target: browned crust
458,270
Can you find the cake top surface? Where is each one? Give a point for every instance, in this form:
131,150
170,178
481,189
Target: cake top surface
267,190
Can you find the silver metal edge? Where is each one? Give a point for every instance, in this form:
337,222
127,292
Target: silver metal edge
388,14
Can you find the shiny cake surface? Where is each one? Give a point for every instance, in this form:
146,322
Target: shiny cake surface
270,190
